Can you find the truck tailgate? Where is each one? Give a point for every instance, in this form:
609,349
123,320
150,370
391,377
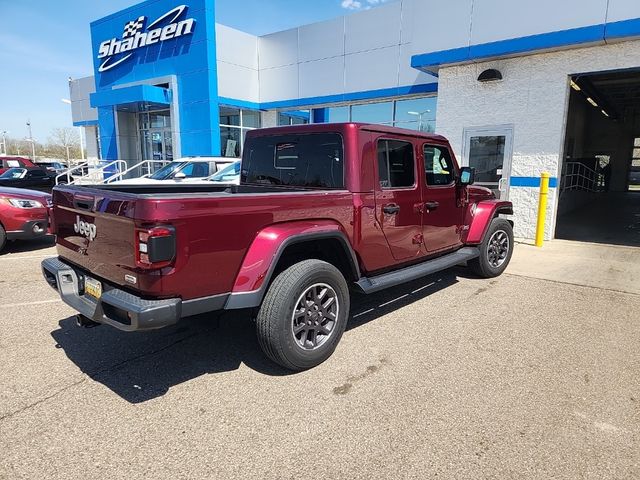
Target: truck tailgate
96,231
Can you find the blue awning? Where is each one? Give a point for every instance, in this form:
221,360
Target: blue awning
129,95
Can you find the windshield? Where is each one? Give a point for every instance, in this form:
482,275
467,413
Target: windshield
14,173
167,171
227,174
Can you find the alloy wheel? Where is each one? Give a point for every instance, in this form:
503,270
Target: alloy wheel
498,248
315,315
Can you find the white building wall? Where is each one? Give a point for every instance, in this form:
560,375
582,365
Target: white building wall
442,25
91,143
79,91
494,20
439,25
622,10
533,97
237,62
364,51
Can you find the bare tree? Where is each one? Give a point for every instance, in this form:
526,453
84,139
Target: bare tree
65,138
22,147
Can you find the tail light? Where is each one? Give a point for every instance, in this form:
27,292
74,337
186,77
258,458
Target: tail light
155,247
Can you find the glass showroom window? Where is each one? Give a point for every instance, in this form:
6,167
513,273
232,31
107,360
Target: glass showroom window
234,124
416,114
380,112
412,113
293,117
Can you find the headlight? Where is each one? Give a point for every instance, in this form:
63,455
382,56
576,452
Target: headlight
20,203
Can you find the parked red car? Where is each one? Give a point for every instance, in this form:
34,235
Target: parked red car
321,210
7,162
24,214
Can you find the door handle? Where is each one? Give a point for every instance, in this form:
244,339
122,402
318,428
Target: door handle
431,205
502,184
391,209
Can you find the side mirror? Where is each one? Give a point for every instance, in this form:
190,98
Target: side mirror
467,176
179,176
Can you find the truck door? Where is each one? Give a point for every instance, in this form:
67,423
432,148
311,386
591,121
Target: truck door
443,212
398,197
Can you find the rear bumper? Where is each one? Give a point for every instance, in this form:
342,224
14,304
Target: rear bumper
118,308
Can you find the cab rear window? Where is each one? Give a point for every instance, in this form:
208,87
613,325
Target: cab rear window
314,160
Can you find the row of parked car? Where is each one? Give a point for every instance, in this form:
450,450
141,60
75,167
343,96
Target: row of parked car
202,170
25,187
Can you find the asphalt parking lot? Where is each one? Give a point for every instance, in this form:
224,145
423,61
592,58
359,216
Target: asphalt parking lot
448,377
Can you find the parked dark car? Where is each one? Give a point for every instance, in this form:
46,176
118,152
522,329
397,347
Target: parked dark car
24,214
7,162
34,178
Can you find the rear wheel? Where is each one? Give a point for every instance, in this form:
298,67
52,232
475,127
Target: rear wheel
3,237
303,315
495,250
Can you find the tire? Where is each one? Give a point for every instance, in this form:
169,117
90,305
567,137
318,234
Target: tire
3,238
284,335
495,250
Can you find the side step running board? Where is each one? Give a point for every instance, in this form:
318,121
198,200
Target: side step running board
386,280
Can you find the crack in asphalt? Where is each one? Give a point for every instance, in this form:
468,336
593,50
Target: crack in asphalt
94,375
573,284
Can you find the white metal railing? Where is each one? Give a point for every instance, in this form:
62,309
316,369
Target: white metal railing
68,173
578,176
94,175
145,164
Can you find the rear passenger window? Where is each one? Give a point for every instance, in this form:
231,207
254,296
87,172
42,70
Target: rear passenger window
396,164
438,166
313,160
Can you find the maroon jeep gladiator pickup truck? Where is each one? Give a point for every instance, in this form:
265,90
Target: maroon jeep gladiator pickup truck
321,210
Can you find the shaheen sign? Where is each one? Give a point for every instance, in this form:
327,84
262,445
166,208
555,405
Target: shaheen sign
136,36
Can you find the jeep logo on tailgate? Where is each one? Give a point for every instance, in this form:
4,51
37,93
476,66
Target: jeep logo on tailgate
85,229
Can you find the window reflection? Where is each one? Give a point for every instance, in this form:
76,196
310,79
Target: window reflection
293,117
234,124
412,113
372,112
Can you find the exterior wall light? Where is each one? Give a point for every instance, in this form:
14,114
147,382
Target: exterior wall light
490,75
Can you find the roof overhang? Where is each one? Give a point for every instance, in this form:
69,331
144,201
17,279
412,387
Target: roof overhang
431,62
131,95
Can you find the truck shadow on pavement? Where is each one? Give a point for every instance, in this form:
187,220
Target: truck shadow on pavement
145,365
21,246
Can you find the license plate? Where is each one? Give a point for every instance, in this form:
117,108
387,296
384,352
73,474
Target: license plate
92,287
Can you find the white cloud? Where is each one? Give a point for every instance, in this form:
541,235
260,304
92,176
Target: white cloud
361,4
351,4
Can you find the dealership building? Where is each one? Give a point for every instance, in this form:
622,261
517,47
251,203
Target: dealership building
517,87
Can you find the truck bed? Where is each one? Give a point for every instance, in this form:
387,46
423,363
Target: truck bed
190,189
214,227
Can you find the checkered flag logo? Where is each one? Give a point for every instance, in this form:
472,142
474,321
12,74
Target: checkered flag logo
133,27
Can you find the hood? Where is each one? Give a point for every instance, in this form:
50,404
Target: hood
135,181
477,193
24,193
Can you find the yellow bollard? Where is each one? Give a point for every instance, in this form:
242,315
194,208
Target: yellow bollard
542,207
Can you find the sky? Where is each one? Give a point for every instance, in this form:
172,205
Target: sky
43,42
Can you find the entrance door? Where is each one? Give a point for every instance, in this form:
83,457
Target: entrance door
155,135
489,151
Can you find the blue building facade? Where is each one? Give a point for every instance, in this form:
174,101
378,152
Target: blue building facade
159,59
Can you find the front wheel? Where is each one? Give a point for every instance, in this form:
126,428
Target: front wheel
495,250
303,315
